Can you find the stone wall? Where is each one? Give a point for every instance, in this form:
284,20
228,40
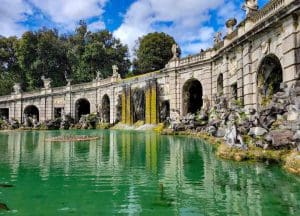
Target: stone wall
273,30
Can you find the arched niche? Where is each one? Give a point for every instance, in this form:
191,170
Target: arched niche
32,111
82,107
192,96
269,78
106,109
220,84
4,113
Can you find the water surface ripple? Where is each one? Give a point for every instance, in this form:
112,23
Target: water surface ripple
136,173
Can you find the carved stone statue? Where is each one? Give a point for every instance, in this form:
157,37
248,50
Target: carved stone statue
115,71
218,38
17,88
250,6
46,81
265,47
69,82
175,51
230,25
98,75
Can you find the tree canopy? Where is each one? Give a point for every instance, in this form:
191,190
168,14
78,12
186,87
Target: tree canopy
78,56
153,52
44,52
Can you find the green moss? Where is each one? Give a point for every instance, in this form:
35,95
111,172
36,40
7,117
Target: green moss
292,163
103,126
159,128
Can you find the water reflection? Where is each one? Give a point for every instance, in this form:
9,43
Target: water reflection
145,172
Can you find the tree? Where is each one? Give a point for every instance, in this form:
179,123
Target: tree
26,54
98,51
9,68
42,53
45,53
153,52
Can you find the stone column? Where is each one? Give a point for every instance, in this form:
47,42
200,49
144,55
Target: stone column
225,72
112,106
123,112
248,77
16,109
68,99
174,90
291,50
49,107
240,83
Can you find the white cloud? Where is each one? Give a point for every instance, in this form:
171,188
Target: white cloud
68,12
98,25
11,12
185,20
64,14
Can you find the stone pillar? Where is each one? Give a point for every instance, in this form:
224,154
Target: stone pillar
123,112
127,117
68,100
174,90
225,72
240,83
249,79
151,102
290,50
112,106
17,109
49,108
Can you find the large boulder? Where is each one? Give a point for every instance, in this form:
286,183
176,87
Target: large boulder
280,139
220,132
257,131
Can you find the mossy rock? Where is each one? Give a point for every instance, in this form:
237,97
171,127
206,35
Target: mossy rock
103,126
292,163
159,128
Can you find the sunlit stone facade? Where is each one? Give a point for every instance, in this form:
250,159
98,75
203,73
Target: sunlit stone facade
268,38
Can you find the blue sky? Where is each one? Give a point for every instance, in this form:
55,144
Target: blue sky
191,22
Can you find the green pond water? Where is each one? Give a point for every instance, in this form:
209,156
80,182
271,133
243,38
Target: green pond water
136,173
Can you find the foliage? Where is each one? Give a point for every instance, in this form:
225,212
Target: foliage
9,67
91,52
46,53
153,52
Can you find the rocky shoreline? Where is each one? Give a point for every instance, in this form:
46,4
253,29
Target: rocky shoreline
270,133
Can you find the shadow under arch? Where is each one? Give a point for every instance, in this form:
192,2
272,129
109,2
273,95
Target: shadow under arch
32,111
192,93
82,107
269,78
220,85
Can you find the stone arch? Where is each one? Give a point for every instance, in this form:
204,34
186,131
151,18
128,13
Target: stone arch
32,111
82,107
4,113
269,77
105,109
192,93
220,84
